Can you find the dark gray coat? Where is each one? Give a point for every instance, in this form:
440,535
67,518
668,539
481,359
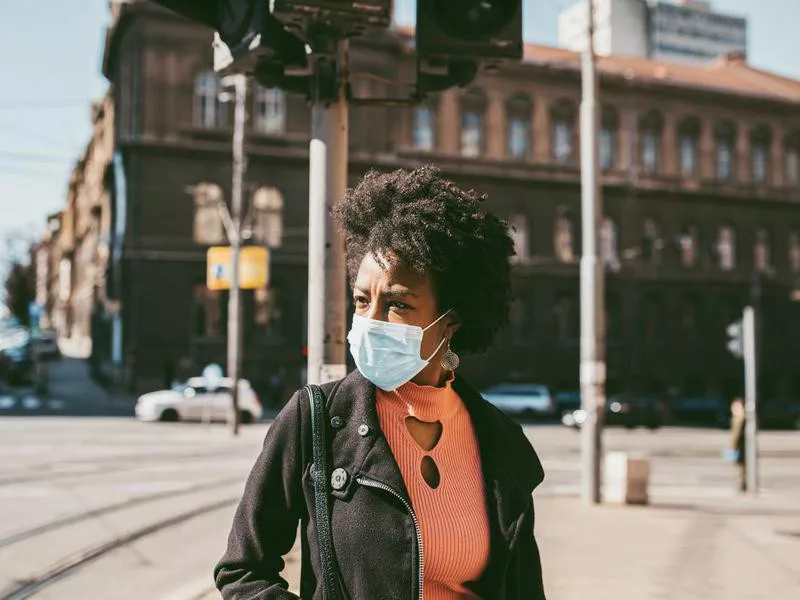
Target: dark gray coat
374,535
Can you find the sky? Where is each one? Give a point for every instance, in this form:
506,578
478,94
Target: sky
50,78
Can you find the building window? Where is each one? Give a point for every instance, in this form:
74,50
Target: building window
608,138
687,245
792,167
518,117
791,144
563,238
424,127
208,110
270,110
760,141
267,311
208,228
689,134
565,309
609,252
563,119
518,229
207,313
761,252
473,105
653,316
268,217
652,244
726,248
650,127
794,251
726,134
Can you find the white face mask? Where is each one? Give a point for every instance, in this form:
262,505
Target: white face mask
388,354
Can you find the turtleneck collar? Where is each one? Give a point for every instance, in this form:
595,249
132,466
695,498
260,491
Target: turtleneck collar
425,402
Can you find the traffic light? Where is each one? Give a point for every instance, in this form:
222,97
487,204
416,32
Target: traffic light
247,34
333,19
736,342
481,30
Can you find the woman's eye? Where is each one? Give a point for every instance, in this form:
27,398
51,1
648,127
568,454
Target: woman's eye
360,301
399,305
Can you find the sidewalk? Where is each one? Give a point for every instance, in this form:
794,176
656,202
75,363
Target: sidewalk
696,549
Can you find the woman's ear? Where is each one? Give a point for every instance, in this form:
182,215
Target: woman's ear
453,324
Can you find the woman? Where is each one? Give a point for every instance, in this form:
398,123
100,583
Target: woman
737,448
431,488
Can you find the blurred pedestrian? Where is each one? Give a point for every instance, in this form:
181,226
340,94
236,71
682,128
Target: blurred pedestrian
431,485
737,447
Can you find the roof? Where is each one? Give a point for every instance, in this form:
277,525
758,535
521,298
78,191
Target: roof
727,75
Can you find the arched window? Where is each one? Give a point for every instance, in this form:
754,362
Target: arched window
208,110
760,141
761,250
791,146
688,242
518,229
268,217
608,137
564,237
473,107
726,247
652,244
688,136
725,134
518,119
270,110
562,117
425,127
794,251
650,128
208,229
609,251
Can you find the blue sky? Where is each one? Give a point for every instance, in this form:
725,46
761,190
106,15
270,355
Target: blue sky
51,76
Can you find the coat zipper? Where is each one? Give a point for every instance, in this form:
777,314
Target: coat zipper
383,486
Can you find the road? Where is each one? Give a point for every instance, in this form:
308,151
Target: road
113,508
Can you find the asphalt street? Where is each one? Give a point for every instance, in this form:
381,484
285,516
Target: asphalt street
91,502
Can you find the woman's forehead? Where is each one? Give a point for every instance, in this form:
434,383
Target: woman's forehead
388,272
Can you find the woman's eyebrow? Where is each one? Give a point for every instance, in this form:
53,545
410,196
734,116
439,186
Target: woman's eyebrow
398,294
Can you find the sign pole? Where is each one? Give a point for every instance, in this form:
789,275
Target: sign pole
750,399
592,369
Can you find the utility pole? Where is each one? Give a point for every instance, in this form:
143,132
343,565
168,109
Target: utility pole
239,84
750,344
593,365
327,184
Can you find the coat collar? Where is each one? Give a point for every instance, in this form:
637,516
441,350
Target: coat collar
511,468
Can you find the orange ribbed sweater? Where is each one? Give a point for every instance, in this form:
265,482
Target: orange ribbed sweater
452,517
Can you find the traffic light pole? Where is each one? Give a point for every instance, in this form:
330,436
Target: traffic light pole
750,344
235,234
593,366
327,184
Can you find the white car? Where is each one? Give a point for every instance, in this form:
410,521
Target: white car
192,401
521,399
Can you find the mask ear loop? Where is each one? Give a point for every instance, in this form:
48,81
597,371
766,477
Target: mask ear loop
444,339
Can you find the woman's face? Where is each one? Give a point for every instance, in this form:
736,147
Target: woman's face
394,293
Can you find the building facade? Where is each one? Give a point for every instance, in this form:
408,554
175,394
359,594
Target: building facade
701,185
684,31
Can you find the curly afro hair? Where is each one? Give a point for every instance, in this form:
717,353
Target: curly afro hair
440,231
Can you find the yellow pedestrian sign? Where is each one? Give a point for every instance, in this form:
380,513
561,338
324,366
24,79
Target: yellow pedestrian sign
253,268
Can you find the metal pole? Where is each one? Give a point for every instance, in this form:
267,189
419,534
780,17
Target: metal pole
327,183
593,366
750,398
234,301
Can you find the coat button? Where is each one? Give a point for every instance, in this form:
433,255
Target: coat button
337,422
338,479
363,430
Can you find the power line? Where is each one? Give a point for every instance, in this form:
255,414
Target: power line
37,158
48,105
22,131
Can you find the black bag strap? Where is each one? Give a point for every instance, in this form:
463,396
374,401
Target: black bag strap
319,475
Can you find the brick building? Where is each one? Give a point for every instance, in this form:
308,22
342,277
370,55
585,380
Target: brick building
701,183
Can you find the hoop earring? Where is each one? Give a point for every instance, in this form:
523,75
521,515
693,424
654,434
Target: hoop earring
450,359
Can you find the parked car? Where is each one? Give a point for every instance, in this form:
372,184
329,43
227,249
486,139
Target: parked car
702,410
16,356
522,399
778,413
192,401
626,410
567,402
